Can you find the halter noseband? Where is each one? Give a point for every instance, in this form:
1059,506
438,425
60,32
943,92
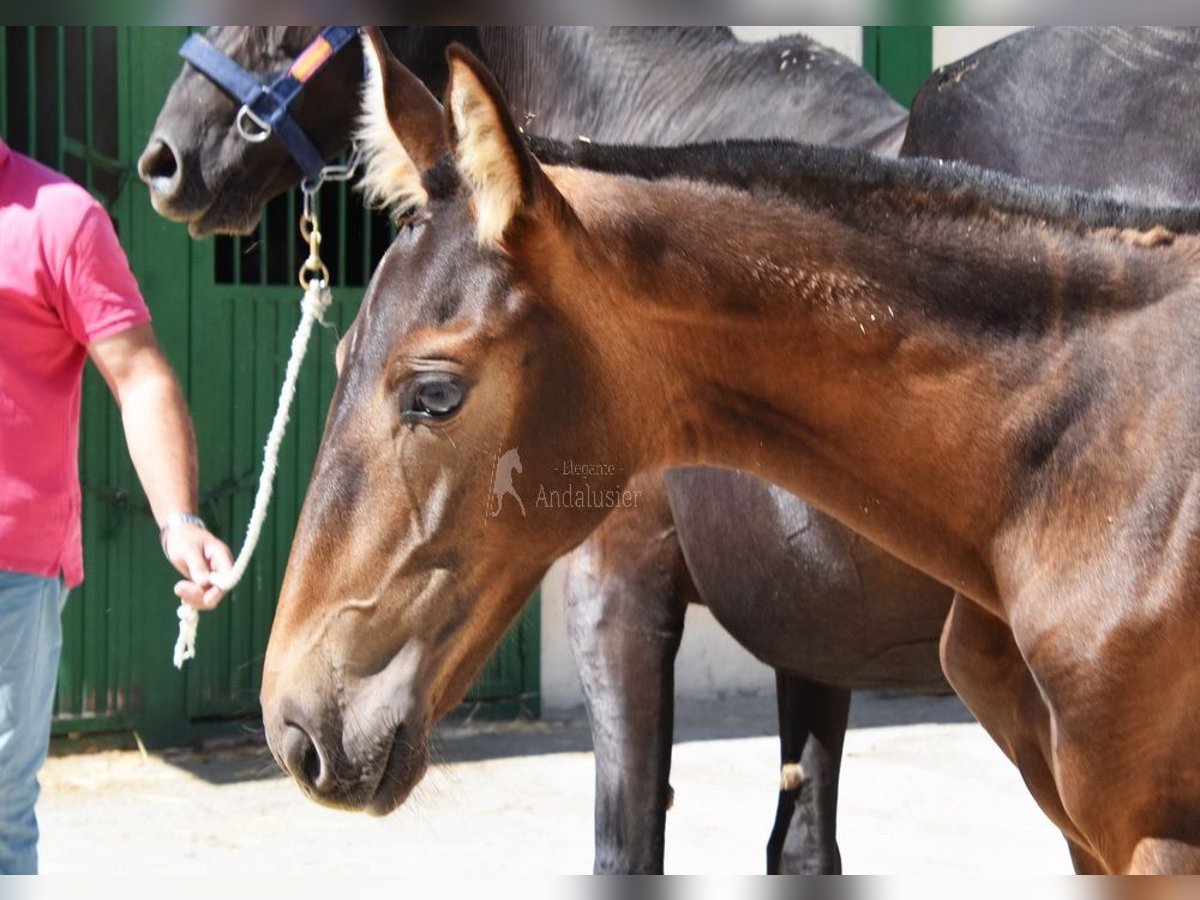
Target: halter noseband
266,106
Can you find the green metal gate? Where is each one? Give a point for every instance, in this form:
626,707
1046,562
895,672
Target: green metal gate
83,100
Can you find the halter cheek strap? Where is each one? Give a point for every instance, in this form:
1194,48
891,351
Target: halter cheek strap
266,107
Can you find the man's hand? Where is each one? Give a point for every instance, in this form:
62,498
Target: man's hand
197,554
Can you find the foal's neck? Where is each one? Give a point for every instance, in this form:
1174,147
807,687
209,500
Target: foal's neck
874,359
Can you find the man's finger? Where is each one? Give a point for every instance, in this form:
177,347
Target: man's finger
212,597
190,593
197,565
197,597
218,554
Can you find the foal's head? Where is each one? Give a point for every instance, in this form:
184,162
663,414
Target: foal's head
471,440
200,170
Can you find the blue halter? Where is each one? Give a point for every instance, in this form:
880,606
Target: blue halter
266,106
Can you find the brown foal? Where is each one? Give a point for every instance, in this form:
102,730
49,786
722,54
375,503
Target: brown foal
995,383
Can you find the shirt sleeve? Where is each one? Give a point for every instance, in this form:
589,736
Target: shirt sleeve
98,292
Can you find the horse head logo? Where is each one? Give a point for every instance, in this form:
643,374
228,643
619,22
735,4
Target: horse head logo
502,482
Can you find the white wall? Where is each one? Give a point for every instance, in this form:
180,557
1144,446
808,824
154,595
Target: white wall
952,42
710,663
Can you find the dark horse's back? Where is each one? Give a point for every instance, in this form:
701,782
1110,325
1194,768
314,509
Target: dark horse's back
1102,108
682,84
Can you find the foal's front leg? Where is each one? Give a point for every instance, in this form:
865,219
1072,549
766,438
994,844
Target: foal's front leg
986,670
1121,687
627,593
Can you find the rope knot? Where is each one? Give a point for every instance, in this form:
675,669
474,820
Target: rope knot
317,298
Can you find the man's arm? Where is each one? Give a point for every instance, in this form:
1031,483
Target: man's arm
162,445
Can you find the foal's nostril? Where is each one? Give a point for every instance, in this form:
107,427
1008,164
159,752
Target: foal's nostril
159,167
310,765
302,758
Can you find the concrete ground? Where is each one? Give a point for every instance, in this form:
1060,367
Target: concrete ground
923,791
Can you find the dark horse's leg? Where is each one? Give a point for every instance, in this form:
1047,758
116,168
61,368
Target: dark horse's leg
627,591
812,729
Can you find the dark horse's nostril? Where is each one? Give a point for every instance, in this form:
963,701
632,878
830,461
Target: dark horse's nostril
158,166
301,757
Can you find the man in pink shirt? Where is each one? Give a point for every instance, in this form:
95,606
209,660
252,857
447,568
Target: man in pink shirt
66,294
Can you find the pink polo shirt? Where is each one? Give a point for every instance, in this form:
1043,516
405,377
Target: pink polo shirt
64,282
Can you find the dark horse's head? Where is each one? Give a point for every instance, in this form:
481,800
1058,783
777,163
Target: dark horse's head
200,170
400,583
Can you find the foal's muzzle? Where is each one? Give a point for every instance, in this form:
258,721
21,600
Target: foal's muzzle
363,772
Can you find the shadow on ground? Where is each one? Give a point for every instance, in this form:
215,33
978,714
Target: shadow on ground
728,719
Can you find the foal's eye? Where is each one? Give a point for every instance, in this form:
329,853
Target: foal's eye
432,397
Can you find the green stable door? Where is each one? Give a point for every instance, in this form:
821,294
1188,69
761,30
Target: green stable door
84,100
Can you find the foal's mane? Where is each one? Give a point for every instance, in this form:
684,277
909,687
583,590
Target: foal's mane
823,176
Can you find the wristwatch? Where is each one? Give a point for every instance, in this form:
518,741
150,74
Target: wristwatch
178,518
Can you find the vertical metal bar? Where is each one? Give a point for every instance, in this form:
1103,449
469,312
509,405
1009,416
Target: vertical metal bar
98,623
119,646
60,90
343,197
89,111
238,250
125,140
365,254
264,247
293,219
870,49
31,87
4,79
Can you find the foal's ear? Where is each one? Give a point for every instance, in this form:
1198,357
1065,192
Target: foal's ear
504,178
401,129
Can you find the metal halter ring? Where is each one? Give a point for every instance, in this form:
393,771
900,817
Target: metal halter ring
345,171
263,129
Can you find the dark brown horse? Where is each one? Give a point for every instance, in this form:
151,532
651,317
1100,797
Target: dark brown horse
848,615
1098,108
667,85
993,381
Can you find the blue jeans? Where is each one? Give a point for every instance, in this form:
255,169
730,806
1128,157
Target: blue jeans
30,645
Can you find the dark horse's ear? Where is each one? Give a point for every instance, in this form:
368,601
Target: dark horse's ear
401,129
505,181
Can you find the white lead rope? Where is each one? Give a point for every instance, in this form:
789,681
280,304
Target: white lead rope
317,298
